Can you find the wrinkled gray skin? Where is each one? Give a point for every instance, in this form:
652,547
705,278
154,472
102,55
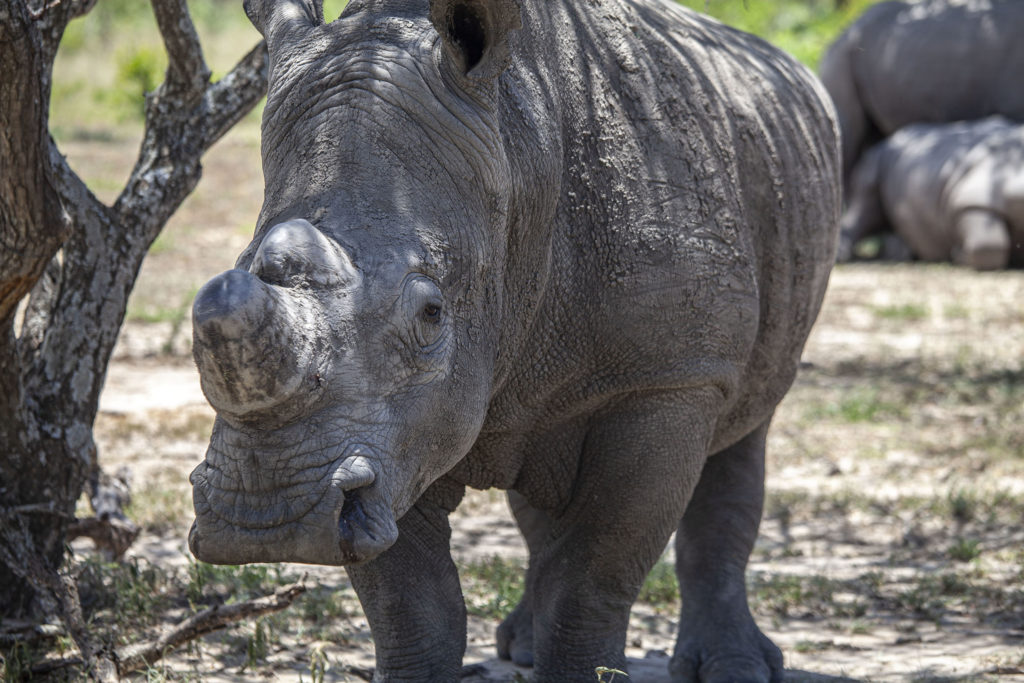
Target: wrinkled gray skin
950,192
934,61
568,249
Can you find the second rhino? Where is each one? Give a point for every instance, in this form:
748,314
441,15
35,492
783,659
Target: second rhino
948,191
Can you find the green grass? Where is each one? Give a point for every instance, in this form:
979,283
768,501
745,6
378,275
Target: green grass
904,312
802,28
112,56
809,646
964,550
232,583
130,594
159,509
787,595
176,315
492,586
862,601
660,589
858,404
132,600
956,310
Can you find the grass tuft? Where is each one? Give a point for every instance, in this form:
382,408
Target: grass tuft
907,312
660,589
964,550
493,586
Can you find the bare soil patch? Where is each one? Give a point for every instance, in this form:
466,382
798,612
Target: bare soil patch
891,545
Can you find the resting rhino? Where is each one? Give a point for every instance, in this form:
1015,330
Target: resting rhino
568,249
933,61
952,192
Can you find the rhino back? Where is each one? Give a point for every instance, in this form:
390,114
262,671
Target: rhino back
940,60
694,213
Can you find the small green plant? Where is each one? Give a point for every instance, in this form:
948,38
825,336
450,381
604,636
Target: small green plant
963,505
131,593
322,605
176,315
258,645
603,671
955,310
319,665
964,550
232,582
660,587
16,663
784,594
158,508
858,627
862,404
809,646
140,70
932,595
804,29
495,586
908,312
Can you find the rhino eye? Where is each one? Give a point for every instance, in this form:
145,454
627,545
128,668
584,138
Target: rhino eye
432,313
425,310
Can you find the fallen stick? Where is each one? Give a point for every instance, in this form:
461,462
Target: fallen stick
139,655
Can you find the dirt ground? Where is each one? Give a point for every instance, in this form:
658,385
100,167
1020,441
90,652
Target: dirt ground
891,547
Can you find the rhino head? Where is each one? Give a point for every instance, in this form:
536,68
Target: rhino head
350,354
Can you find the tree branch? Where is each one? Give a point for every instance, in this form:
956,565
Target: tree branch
186,69
233,96
73,8
137,656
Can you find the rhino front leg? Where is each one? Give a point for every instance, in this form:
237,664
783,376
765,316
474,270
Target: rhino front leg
639,463
515,634
718,639
412,597
984,240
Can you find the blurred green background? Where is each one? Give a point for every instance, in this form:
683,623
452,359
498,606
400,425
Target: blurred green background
109,58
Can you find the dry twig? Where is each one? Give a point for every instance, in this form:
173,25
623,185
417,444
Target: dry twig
139,655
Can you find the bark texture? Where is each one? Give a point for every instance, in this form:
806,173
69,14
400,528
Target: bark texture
76,259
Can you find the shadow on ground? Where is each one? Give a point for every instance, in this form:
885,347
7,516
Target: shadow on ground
651,669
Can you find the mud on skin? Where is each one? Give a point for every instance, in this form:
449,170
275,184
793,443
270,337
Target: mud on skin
571,250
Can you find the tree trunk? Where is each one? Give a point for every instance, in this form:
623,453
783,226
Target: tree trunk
79,259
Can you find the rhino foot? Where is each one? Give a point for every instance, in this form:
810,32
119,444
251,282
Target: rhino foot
705,658
515,636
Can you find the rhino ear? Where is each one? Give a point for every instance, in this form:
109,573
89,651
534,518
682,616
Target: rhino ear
475,34
282,20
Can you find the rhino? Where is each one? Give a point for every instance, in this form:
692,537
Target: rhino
933,61
950,191
571,250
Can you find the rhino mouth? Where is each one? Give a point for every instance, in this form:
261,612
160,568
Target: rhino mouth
339,519
366,525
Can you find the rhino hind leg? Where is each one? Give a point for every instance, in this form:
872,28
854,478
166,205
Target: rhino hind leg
718,639
588,562
983,239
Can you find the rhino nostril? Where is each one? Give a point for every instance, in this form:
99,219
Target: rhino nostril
353,517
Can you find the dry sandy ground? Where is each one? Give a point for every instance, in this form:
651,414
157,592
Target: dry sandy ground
849,497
